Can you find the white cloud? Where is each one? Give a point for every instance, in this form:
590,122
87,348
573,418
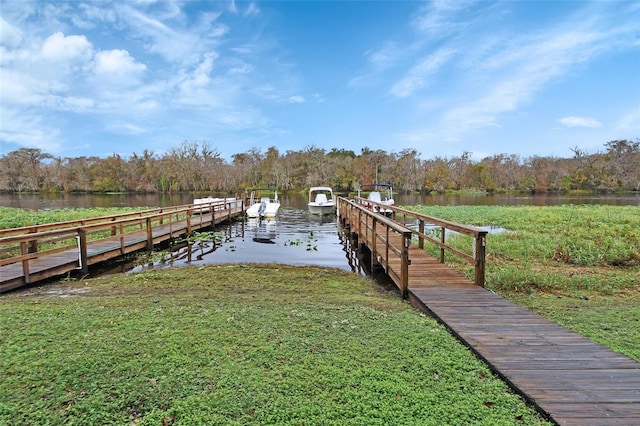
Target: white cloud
439,17
60,48
27,130
418,75
296,99
574,121
252,10
127,128
78,104
511,77
319,98
20,89
630,122
200,77
175,42
117,62
384,57
9,35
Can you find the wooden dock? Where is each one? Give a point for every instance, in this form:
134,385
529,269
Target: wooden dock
40,252
570,379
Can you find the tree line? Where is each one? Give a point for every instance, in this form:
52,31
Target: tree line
198,166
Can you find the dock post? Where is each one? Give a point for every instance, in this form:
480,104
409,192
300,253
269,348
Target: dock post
442,240
404,265
84,266
374,249
25,262
33,244
480,249
149,235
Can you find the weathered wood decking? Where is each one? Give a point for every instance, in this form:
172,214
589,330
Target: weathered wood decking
569,378
153,227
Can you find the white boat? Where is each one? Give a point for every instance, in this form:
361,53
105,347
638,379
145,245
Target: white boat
321,200
380,193
216,203
263,206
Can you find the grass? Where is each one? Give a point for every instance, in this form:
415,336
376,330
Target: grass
237,345
595,291
15,218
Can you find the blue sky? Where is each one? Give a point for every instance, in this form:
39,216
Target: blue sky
441,77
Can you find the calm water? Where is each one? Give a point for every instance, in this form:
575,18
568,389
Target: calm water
57,201
295,237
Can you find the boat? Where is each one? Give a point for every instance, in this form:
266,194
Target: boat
379,196
263,206
217,203
321,200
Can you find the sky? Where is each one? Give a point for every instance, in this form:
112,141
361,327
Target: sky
526,78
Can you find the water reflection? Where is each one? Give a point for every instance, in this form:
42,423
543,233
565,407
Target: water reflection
264,230
295,238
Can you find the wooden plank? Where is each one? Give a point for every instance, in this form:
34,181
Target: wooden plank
625,413
588,396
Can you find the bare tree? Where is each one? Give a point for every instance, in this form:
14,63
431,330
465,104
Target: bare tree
624,162
407,170
22,170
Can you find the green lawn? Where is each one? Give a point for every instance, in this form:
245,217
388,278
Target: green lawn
237,345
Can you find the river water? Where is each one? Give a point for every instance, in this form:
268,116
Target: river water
294,237
57,201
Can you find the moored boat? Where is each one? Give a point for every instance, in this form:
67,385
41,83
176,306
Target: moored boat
321,200
263,206
379,196
209,202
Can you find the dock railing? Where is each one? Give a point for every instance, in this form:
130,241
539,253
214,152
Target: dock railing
24,244
419,224
388,241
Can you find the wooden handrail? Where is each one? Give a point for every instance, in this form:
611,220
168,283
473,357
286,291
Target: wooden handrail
218,204
477,258
26,240
378,227
77,222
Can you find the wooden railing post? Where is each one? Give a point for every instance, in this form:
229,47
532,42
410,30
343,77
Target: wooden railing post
359,222
404,264
149,235
374,245
386,254
188,222
33,244
480,258
421,230
442,239
82,246
25,262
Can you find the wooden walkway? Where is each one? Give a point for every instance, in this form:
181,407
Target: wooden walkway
151,228
570,379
